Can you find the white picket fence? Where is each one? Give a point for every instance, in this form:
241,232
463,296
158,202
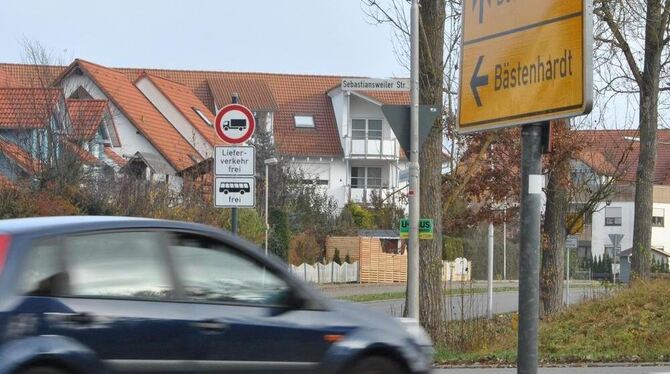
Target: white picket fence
326,273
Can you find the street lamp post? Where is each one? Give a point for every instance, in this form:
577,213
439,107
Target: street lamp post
268,162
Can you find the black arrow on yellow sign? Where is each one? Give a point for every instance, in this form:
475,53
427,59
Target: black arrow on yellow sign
478,81
481,8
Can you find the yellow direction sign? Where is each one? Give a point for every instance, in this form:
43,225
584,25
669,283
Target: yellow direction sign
524,61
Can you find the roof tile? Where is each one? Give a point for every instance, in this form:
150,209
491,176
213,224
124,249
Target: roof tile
86,117
27,107
22,158
115,157
253,93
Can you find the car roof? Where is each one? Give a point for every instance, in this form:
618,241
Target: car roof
66,223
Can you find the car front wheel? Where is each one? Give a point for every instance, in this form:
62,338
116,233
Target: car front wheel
377,365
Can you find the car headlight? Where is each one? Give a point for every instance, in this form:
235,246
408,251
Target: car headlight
416,332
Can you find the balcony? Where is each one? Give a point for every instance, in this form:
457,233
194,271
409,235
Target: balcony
385,148
364,195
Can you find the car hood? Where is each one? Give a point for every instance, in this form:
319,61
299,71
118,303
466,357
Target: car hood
367,317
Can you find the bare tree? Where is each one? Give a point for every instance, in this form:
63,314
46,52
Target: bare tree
637,61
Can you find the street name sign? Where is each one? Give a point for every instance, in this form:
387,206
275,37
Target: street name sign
235,161
524,61
425,229
234,192
235,124
365,84
571,242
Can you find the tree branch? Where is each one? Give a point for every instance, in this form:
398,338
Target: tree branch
621,42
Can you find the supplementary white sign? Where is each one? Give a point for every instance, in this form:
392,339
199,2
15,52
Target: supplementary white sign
571,242
364,84
234,192
235,161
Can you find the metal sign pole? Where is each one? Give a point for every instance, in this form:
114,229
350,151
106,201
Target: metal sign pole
529,254
233,214
413,250
567,278
489,299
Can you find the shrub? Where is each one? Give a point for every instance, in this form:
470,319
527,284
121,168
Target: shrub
336,257
304,248
452,248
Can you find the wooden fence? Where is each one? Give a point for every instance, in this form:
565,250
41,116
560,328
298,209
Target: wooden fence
380,267
347,245
326,273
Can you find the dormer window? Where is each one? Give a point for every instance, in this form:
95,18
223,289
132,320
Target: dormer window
202,116
304,121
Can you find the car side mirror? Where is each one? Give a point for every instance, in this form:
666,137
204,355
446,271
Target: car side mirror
292,300
295,301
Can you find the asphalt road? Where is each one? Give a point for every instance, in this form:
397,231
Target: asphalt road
566,370
470,306
341,290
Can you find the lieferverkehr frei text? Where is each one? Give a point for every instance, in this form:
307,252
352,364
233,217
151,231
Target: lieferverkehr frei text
543,69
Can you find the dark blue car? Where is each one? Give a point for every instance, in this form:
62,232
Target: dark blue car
111,294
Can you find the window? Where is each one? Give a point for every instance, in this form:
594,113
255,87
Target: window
358,129
366,177
390,246
366,129
43,272
202,116
103,135
612,216
210,271
126,265
304,121
374,129
658,217
315,181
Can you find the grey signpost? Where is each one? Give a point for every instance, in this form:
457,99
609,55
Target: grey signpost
234,167
510,76
409,139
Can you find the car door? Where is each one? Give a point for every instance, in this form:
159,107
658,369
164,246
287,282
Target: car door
113,294
242,308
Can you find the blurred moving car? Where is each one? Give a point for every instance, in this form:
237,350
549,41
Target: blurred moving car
112,294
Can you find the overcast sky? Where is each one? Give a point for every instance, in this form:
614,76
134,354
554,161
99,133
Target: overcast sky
292,36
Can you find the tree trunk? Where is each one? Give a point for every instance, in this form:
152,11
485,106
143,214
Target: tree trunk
646,167
553,264
431,74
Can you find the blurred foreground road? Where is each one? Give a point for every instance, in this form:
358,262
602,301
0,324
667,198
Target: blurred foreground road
566,370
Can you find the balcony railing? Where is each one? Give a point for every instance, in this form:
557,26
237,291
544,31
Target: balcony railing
385,148
364,195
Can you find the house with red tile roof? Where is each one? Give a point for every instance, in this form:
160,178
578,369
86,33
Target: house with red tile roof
27,117
38,125
615,153
163,120
157,150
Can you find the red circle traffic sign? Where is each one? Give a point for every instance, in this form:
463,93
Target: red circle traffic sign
235,124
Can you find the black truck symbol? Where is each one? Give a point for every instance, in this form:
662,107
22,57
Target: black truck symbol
234,187
239,124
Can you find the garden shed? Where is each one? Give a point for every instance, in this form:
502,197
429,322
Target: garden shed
658,255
